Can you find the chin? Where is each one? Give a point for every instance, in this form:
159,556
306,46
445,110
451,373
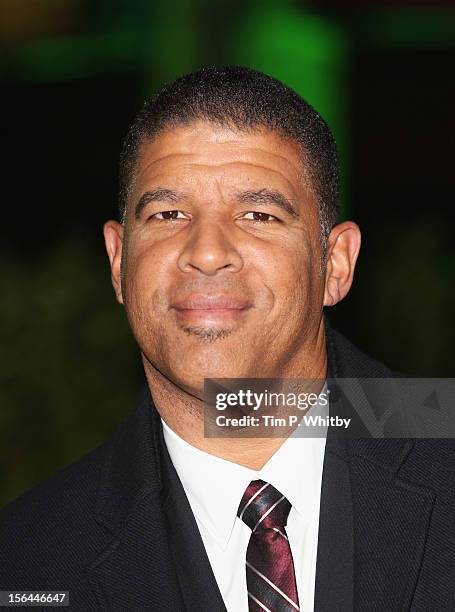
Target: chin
190,375
203,352
207,335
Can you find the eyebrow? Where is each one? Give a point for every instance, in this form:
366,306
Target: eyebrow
268,196
157,195
260,197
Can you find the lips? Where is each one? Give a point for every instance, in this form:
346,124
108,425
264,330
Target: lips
210,309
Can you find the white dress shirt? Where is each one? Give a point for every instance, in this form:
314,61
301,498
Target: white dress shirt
214,488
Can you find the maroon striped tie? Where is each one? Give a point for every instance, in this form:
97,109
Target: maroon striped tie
269,566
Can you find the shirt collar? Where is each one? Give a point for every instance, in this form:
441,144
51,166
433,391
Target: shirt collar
214,486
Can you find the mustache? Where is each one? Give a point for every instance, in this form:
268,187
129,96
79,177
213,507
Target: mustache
211,287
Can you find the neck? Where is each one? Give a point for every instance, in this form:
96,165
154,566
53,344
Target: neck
183,412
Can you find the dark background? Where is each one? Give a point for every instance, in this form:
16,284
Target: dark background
74,74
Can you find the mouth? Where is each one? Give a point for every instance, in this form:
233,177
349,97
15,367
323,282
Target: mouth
210,309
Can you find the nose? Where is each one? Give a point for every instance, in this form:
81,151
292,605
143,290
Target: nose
208,249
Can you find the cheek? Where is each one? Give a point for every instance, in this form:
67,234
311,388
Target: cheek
289,266
145,282
294,275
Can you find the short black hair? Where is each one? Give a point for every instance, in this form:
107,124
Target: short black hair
242,99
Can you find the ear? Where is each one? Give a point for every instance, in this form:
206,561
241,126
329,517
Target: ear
113,238
343,246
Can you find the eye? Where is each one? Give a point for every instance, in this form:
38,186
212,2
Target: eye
260,217
168,215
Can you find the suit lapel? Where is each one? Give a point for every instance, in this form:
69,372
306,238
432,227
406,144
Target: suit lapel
386,518
391,521
198,584
372,530
136,571
334,568
156,559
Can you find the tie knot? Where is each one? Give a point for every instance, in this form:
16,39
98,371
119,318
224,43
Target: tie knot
263,507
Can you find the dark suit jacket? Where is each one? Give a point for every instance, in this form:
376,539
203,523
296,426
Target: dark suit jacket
116,530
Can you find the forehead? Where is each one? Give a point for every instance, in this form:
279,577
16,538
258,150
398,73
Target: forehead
207,150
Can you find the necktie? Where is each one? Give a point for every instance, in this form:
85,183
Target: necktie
269,566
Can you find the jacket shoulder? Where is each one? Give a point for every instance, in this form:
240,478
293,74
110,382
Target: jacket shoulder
50,530
348,361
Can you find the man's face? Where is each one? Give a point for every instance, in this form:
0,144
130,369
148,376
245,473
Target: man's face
221,256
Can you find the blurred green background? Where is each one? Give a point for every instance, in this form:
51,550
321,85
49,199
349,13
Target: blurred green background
74,74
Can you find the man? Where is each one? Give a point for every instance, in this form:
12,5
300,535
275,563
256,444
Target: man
228,250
